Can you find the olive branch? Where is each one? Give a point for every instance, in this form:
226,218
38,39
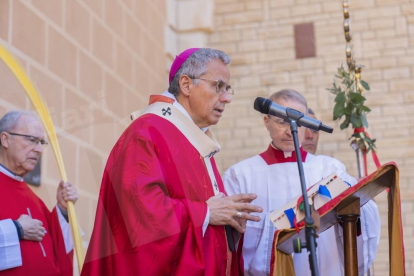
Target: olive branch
350,103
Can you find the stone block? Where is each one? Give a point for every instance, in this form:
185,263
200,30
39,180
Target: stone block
384,62
254,5
402,85
306,9
407,9
29,32
389,2
96,6
103,44
142,12
376,12
171,13
278,78
104,136
134,35
51,91
281,3
251,46
11,92
114,95
77,22
90,170
229,48
124,63
379,23
90,76
171,38
278,13
69,150
245,59
198,19
396,73
243,17
230,35
114,17
401,42
4,19
230,7
82,206
130,4
331,6
77,116
241,132
62,57
401,26
191,40
142,75
249,34
52,9
134,101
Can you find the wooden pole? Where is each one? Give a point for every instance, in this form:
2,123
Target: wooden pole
349,217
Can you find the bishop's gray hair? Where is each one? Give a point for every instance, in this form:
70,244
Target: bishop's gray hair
11,118
196,65
289,95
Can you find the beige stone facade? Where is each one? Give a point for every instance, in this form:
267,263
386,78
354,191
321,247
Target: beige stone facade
258,35
96,61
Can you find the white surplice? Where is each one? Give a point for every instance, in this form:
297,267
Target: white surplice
275,179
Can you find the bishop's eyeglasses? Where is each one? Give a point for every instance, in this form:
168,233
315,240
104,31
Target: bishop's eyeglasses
221,86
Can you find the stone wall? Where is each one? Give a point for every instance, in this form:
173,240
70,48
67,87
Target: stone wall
94,62
259,36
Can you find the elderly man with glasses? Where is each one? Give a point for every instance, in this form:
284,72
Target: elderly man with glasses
162,208
33,240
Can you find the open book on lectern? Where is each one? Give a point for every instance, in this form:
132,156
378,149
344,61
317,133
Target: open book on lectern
318,194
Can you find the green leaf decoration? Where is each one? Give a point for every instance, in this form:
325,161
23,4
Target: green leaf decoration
340,98
365,85
349,108
345,123
364,120
366,109
339,110
350,103
356,98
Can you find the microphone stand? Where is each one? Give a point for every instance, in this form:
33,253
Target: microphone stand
292,117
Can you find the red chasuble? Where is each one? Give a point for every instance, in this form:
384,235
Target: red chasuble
152,207
15,198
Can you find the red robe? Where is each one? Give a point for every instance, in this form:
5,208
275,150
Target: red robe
15,198
152,207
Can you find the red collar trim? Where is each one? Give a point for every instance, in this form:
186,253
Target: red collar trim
160,98
274,156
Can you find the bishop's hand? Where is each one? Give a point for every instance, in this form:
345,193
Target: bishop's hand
33,228
233,210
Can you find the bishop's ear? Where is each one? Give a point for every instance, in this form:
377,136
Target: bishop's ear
185,83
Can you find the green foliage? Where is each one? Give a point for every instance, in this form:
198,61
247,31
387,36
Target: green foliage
349,103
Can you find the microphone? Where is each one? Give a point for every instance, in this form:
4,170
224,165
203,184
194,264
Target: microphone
268,107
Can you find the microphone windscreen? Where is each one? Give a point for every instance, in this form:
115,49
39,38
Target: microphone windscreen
262,105
326,128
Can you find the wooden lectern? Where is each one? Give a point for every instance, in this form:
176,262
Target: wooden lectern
346,206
